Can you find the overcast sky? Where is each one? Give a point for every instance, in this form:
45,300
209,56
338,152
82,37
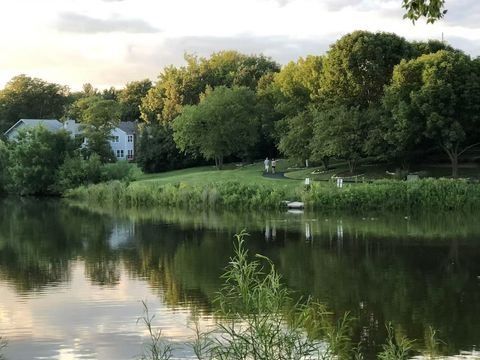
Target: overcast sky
111,42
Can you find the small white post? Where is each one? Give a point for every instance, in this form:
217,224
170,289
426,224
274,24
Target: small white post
339,182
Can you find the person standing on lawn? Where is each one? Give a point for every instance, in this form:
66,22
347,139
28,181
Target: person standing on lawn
266,162
274,163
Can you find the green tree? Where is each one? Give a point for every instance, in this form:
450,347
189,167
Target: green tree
359,65
437,95
24,97
340,132
224,123
35,157
130,99
296,136
299,84
432,10
156,150
98,118
177,87
3,165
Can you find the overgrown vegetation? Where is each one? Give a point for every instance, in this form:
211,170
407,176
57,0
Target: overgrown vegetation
438,194
41,162
222,195
257,317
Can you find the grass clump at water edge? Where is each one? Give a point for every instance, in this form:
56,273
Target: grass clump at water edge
226,195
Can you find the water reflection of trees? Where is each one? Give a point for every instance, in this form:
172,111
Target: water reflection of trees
380,269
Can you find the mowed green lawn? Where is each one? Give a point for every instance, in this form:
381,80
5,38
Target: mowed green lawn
204,175
253,174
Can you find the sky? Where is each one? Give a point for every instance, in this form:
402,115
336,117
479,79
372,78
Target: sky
112,42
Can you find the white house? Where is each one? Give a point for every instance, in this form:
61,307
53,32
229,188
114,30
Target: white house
122,138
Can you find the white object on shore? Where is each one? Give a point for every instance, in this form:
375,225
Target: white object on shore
295,205
339,182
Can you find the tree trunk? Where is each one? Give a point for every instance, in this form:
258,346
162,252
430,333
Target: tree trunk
455,166
352,165
453,156
219,162
326,162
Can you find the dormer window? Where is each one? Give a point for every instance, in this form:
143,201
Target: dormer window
115,139
130,138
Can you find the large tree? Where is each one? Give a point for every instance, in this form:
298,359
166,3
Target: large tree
296,135
359,65
98,117
340,132
130,99
299,84
437,95
156,150
30,98
177,87
224,123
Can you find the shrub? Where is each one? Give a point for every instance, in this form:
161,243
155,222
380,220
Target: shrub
35,157
120,170
76,171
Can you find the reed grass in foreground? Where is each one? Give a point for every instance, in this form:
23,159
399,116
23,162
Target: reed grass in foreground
258,318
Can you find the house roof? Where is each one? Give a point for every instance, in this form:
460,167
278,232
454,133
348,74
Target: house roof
130,127
50,124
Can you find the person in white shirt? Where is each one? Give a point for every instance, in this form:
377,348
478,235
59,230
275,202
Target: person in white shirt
266,162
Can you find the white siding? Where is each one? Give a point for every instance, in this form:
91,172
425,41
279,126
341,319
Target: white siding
123,146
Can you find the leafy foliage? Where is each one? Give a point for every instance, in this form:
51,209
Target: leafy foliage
76,171
130,99
437,95
359,65
35,157
24,97
224,123
4,153
98,118
432,10
157,151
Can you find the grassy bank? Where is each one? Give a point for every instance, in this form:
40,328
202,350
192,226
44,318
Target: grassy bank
246,188
425,194
219,195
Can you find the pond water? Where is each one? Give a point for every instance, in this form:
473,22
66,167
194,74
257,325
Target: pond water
72,278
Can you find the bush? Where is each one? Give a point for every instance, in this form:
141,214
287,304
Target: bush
35,157
3,166
76,171
121,170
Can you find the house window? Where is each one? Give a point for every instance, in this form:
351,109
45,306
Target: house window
115,139
130,154
120,153
130,138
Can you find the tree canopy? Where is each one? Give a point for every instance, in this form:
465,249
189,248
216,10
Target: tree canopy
224,123
24,97
436,96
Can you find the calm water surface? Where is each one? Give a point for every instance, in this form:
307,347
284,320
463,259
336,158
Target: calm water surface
72,279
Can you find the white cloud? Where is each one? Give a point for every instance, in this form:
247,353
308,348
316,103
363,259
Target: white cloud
110,42
78,23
